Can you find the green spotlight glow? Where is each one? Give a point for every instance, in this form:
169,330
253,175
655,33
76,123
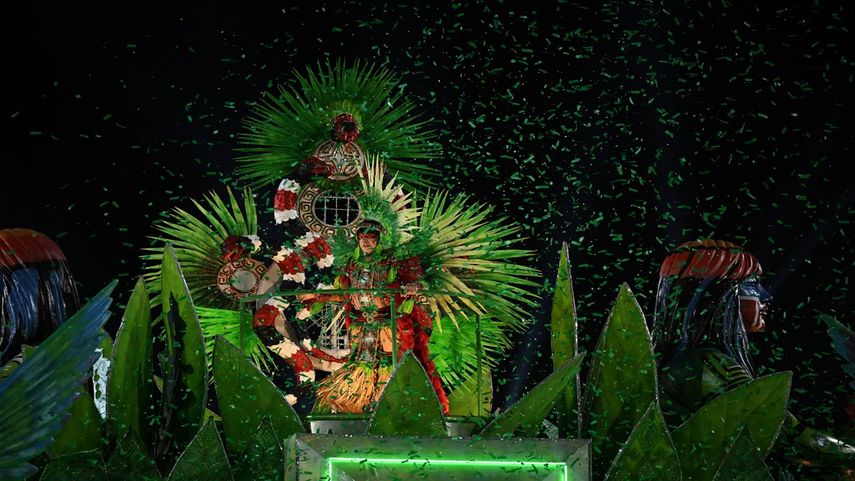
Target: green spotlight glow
450,463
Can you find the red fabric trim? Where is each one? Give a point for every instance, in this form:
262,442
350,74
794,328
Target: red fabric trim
285,200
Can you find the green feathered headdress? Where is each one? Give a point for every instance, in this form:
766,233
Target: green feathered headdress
286,126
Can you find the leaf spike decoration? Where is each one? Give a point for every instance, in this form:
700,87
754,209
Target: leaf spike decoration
565,345
186,367
649,453
246,396
621,382
129,387
703,439
408,405
526,416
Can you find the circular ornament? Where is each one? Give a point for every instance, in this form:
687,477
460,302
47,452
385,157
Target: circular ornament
324,211
240,278
343,159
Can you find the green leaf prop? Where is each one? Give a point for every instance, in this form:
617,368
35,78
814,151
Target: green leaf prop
246,396
130,461
37,395
649,453
82,466
526,416
743,462
465,400
703,439
129,387
565,345
205,458
82,431
408,405
186,347
264,458
622,380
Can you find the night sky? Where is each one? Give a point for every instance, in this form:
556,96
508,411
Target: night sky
623,128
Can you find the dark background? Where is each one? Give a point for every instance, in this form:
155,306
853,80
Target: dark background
623,128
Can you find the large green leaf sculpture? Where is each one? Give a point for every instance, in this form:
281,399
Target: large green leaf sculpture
205,458
743,461
37,395
82,431
246,396
264,457
467,400
526,416
185,367
565,345
702,441
408,405
622,380
129,387
649,453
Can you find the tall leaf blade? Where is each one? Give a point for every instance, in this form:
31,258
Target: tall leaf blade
246,396
186,347
129,387
622,380
649,453
205,458
526,416
702,441
408,405
565,345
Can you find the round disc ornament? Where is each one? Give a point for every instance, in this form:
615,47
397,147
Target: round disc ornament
240,278
342,159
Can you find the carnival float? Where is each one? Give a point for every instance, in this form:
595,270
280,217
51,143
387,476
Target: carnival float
340,318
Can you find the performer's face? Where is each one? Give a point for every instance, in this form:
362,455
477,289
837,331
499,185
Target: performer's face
753,304
367,242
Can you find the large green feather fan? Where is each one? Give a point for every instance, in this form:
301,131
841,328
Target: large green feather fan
197,240
288,125
455,354
468,252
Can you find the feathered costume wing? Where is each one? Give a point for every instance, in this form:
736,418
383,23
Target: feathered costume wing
36,396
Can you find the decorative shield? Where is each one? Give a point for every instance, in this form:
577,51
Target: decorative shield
240,278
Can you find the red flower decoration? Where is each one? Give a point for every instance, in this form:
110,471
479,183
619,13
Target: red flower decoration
345,128
291,264
265,316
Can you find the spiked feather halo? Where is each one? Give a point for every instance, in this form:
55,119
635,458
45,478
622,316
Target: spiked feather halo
285,127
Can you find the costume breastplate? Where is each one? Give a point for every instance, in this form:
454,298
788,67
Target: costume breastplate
366,278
